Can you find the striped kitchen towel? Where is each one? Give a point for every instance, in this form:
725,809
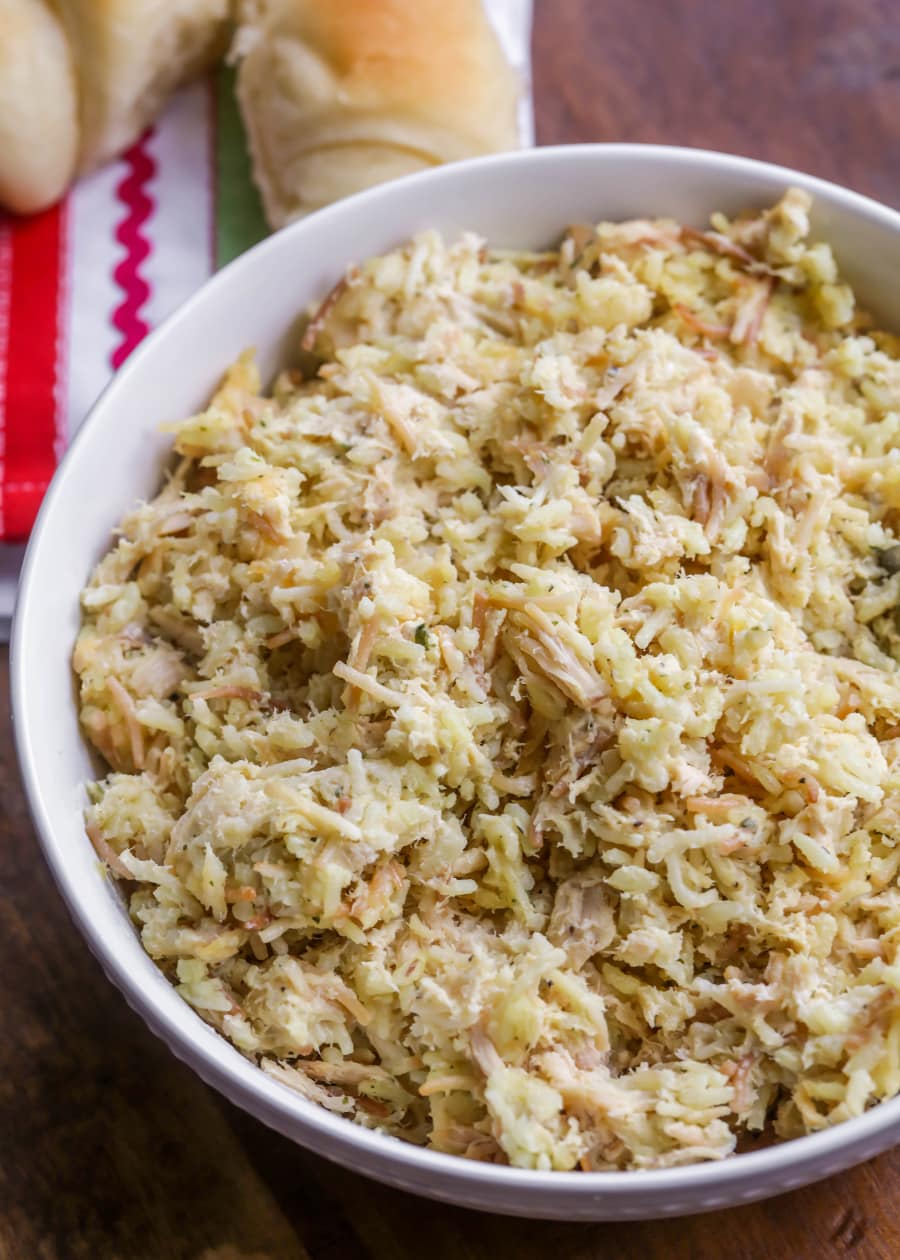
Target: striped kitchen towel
83,283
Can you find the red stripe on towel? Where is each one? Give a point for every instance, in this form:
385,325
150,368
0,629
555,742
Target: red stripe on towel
30,401
132,192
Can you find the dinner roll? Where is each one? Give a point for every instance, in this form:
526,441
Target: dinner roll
338,96
131,54
38,106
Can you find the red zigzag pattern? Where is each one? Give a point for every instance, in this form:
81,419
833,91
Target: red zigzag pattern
132,192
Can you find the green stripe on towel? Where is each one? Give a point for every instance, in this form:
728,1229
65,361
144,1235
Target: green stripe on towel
240,222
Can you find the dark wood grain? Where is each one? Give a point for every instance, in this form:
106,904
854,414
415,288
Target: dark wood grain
109,1148
813,84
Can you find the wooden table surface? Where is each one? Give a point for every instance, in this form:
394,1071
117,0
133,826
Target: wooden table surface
109,1148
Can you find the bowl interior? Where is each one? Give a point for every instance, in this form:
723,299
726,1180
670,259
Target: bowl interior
518,200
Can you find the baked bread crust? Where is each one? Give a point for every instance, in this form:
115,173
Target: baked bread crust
38,106
339,96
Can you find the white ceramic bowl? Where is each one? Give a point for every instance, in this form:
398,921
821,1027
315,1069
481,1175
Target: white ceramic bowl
523,199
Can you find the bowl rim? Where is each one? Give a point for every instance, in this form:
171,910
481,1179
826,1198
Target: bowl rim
161,1007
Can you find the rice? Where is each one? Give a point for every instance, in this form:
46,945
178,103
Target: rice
503,717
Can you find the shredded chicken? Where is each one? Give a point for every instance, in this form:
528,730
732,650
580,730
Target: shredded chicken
503,717
582,922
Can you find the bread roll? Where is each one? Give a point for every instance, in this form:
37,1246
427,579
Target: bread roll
38,106
131,54
337,95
